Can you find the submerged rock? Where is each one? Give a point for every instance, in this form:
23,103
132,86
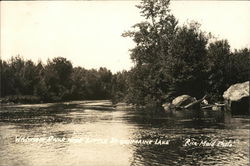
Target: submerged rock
216,108
167,107
183,100
237,98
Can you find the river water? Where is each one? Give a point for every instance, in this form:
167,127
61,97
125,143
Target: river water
92,133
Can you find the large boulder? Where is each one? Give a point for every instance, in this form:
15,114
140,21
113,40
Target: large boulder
237,98
182,101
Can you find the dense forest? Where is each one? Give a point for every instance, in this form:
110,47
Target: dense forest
26,81
169,60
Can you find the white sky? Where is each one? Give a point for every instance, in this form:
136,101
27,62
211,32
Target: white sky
88,33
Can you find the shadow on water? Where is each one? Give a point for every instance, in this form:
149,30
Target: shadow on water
195,137
46,113
184,118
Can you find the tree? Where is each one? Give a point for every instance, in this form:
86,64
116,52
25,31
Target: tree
240,66
28,78
57,78
120,87
169,59
41,89
188,61
78,77
7,82
219,68
153,39
105,78
16,68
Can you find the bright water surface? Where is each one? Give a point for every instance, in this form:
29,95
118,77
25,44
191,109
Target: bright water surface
84,126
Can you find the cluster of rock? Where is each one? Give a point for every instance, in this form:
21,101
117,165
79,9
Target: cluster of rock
236,100
182,102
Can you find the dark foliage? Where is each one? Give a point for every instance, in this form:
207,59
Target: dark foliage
172,59
26,82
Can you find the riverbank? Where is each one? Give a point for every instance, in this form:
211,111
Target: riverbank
21,99
31,99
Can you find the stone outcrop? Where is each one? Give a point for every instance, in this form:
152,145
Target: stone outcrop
237,98
182,101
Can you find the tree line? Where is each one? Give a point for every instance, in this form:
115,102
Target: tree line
57,80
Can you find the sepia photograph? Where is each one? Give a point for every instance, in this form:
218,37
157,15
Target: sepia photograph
124,83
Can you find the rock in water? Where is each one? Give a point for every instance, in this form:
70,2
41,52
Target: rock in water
167,107
237,91
183,100
237,98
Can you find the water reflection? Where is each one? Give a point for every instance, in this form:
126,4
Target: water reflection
99,120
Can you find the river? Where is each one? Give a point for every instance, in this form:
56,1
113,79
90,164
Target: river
92,133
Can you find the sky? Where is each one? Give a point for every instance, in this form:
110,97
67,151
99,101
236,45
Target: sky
88,33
